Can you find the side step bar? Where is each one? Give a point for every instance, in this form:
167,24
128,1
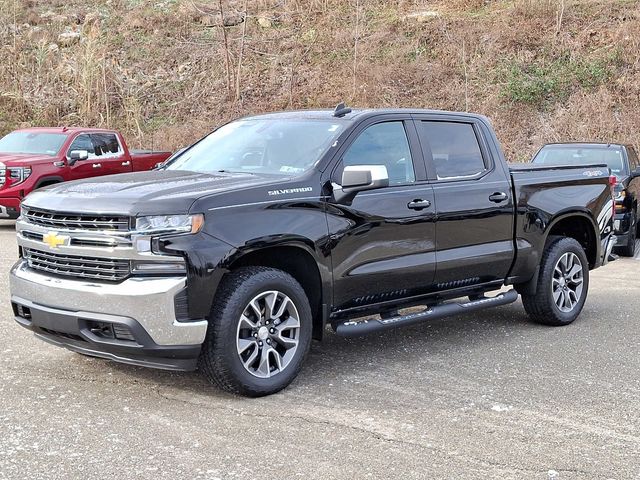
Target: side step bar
365,327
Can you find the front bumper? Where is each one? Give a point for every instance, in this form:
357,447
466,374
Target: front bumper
70,313
9,207
622,226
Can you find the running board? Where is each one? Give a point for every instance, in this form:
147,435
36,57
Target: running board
365,327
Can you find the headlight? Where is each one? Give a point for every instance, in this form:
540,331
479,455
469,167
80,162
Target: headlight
620,196
169,224
19,174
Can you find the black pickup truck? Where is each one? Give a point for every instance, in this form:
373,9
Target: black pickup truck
237,252
623,162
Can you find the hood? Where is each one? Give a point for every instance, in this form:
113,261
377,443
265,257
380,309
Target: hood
24,159
155,192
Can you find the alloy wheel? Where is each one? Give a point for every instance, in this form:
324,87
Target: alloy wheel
268,334
567,282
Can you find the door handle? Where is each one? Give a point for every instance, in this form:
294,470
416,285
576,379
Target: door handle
418,204
97,165
126,164
498,197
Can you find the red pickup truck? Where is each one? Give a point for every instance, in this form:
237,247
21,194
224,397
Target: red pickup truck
36,157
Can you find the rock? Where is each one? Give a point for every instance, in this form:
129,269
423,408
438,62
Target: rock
232,19
265,22
423,16
66,39
53,47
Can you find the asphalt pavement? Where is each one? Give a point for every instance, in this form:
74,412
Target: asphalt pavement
487,395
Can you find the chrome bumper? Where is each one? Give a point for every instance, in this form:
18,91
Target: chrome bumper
147,301
608,256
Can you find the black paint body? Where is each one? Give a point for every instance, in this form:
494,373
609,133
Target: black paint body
374,253
627,212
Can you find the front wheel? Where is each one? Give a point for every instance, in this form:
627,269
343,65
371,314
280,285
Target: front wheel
563,282
259,332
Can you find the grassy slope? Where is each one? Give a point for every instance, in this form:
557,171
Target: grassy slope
543,70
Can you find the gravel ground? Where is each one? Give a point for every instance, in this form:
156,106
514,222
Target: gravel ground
480,396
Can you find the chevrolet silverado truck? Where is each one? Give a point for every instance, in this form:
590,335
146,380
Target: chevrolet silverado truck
37,157
231,257
623,162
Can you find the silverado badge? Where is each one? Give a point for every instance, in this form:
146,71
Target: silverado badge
54,240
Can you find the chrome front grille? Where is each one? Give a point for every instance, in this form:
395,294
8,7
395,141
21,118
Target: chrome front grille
76,266
71,221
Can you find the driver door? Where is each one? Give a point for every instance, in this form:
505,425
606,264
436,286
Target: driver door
383,242
82,168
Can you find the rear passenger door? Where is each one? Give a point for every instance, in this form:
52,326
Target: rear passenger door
474,204
109,154
382,244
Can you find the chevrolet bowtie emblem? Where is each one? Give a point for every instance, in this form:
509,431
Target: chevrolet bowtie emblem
54,240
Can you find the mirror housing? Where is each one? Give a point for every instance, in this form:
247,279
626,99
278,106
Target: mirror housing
358,178
76,155
635,173
174,155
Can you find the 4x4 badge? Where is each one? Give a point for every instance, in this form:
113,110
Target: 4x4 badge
54,240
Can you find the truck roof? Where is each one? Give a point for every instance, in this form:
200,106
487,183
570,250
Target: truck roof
584,145
359,114
64,130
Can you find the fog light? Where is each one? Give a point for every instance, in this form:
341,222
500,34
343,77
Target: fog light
170,267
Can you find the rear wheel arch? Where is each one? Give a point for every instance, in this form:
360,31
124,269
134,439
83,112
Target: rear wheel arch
581,227
302,265
577,225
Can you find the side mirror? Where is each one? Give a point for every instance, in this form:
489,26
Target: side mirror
174,155
635,173
358,178
76,155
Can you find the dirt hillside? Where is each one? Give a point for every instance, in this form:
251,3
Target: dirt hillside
167,71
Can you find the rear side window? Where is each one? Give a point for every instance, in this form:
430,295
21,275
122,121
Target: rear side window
454,148
633,157
105,144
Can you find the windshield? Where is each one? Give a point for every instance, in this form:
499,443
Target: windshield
611,156
38,143
271,146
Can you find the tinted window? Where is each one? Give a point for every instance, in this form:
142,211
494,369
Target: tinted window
283,146
383,144
633,157
82,142
32,142
105,144
572,155
455,149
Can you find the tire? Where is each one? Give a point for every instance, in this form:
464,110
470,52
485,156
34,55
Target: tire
253,356
547,306
629,250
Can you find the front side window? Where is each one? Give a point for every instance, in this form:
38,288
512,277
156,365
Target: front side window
36,143
82,142
277,146
455,149
383,144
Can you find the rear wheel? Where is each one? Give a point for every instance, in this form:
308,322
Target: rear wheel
563,282
629,250
259,332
